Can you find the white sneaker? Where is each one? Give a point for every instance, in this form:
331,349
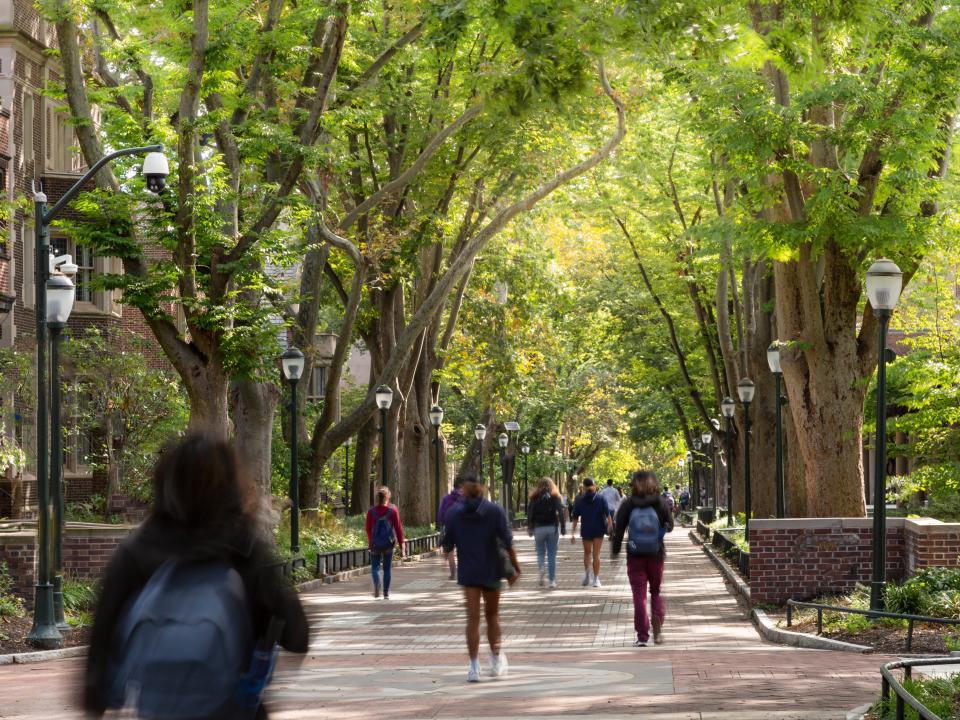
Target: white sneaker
498,665
586,579
553,585
596,581
473,674
543,576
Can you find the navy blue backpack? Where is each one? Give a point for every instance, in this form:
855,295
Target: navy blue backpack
186,649
383,538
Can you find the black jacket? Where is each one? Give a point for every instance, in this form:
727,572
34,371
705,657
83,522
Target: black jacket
157,540
546,509
623,518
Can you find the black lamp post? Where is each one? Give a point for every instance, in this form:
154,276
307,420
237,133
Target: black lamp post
706,438
436,419
688,462
384,397
44,633
697,472
60,296
525,449
503,440
773,360
884,284
746,391
346,474
728,407
292,362
480,432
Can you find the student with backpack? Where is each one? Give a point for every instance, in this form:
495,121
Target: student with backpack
593,514
448,501
546,523
644,518
384,534
194,602
479,531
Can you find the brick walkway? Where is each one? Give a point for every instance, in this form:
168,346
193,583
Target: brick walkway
570,654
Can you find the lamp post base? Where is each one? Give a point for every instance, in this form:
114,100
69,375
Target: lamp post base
44,634
876,594
58,616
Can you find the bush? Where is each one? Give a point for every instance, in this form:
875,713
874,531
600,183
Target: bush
910,598
80,595
10,604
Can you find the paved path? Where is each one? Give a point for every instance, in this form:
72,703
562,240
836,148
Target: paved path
570,654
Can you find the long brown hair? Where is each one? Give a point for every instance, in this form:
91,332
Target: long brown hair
644,483
197,483
545,486
383,495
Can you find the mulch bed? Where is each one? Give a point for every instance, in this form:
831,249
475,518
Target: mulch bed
13,633
928,639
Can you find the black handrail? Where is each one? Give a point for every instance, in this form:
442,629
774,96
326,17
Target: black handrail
911,619
336,561
889,682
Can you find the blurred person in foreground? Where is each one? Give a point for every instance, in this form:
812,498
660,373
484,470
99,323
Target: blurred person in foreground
194,602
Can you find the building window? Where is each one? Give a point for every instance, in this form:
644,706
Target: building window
318,384
84,258
27,128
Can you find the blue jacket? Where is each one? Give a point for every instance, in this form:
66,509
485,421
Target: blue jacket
593,512
473,527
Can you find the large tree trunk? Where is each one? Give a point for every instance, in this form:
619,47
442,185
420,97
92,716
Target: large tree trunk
361,493
414,465
254,410
209,407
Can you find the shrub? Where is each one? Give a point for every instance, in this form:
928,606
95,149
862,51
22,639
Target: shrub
10,604
79,595
910,598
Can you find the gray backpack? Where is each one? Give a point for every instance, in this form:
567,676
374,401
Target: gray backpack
184,644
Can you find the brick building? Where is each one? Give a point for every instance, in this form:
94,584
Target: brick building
37,150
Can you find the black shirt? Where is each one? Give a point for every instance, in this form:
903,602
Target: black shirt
546,509
636,501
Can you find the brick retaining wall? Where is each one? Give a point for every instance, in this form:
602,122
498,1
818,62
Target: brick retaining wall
87,549
801,558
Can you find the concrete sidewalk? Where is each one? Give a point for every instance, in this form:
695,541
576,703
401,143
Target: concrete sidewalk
570,653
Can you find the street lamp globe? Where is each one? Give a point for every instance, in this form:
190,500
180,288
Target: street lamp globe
525,449
503,439
60,295
436,416
706,437
884,283
480,431
728,407
384,397
773,357
689,457
292,362
746,390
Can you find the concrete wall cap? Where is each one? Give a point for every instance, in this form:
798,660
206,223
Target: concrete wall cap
820,523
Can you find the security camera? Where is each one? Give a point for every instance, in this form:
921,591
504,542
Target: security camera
155,170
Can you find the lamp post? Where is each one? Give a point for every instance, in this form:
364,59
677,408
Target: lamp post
728,407
60,296
292,362
884,284
384,396
715,423
525,449
706,438
773,360
503,440
436,419
746,391
480,432
43,633
697,472
346,474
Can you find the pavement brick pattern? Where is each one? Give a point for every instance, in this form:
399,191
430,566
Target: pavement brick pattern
570,653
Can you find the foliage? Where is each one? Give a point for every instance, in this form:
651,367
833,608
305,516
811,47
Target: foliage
933,591
938,695
10,605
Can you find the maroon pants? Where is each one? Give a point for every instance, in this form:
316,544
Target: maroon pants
642,570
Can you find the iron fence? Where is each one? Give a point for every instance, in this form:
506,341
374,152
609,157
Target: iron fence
339,560
905,697
911,619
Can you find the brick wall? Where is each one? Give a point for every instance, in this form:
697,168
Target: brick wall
86,551
801,558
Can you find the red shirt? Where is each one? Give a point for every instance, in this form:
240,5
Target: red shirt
377,512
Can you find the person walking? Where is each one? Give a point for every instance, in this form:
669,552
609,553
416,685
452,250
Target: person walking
612,496
194,601
479,531
546,523
449,500
384,535
593,514
644,518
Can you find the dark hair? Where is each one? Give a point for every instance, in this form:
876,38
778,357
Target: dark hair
644,483
609,481
470,477
458,482
197,483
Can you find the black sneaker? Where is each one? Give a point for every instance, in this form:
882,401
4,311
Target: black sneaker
640,643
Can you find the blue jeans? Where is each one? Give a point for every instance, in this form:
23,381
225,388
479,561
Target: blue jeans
375,560
546,538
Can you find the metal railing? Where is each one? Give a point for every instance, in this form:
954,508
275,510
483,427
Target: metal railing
339,560
911,619
904,697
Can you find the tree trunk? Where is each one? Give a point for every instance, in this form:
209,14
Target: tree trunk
209,409
415,473
361,494
254,410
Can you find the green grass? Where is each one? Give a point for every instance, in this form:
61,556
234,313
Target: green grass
939,695
10,604
79,601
